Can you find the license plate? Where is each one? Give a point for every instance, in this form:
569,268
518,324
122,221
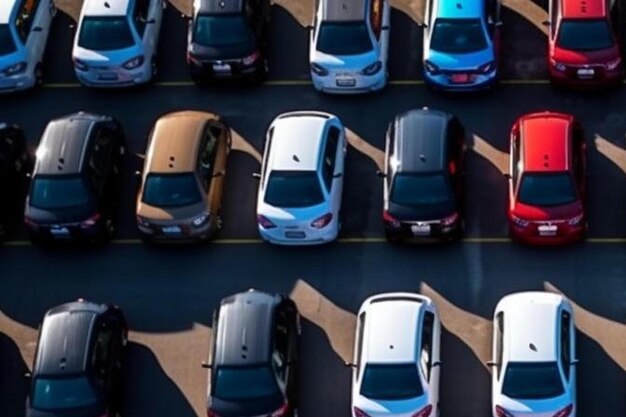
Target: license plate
460,78
547,230
60,231
420,229
107,76
345,82
295,235
585,72
171,230
221,68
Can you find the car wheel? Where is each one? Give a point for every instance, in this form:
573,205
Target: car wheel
38,74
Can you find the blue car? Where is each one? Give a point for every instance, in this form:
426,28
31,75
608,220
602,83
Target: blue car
461,39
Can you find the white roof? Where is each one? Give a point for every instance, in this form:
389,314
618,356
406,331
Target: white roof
296,143
530,326
99,7
6,7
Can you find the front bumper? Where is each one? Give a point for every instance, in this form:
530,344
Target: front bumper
460,80
16,83
349,82
112,77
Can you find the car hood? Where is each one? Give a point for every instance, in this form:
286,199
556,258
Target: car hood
345,62
567,56
66,215
471,61
113,57
172,213
538,408
422,212
382,408
233,51
257,407
280,216
567,211
12,58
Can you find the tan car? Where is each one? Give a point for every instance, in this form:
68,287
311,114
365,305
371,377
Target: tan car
182,182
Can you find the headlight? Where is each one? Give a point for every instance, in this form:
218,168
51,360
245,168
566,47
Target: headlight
430,67
372,68
486,68
519,222
80,65
558,66
251,59
201,219
318,69
576,220
610,66
133,63
15,69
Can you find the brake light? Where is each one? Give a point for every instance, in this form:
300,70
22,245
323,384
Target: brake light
359,413
192,59
519,221
90,222
392,221
450,220
501,412
265,222
424,412
565,412
250,59
282,411
575,221
30,222
322,221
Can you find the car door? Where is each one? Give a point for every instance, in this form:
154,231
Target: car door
454,145
498,345
153,27
333,167
492,12
212,168
27,18
379,13
102,357
567,358
429,20
115,324
579,159
280,350
514,164
286,333
429,354
100,166
358,350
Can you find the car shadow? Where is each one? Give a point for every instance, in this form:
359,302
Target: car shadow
13,384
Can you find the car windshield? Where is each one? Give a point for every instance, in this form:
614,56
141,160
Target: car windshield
237,383
62,393
100,33
344,38
420,189
391,382
532,380
547,190
585,35
458,36
171,190
7,44
59,192
222,30
293,189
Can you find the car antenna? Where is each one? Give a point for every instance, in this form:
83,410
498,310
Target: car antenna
295,158
107,5
532,347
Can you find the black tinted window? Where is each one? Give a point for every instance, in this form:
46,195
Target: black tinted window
532,380
105,33
171,190
58,394
547,190
244,383
585,35
458,36
349,38
7,44
221,30
292,189
416,190
59,192
391,382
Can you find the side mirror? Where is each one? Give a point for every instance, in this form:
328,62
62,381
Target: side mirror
384,28
438,363
338,175
498,23
138,173
573,362
380,173
256,176
37,29
29,175
546,23
28,375
491,363
422,25
350,364
219,174
150,22
507,175
206,365
72,27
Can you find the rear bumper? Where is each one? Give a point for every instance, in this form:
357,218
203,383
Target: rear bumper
444,82
570,80
278,236
16,83
115,77
529,235
187,234
362,83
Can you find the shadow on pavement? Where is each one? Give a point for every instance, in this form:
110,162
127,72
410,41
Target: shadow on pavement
13,385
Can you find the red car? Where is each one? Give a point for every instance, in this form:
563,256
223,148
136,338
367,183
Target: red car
547,179
584,43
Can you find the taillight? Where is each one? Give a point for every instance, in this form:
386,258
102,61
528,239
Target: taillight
392,221
501,412
565,412
90,222
575,221
30,222
450,220
322,221
265,222
359,413
282,411
424,412
250,59
192,59
519,221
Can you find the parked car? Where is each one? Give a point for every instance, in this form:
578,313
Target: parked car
15,163
534,356
116,42
180,197
584,43
349,45
301,180
461,44
24,30
73,191
79,363
547,180
423,181
396,357
254,354
228,39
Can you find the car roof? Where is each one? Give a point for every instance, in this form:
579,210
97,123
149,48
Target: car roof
218,6
584,9
63,143
6,10
244,329
419,144
344,10
545,141
460,9
297,141
175,142
530,326
106,7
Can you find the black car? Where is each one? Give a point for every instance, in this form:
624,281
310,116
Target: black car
79,362
254,357
423,181
73,190
14,164
228,39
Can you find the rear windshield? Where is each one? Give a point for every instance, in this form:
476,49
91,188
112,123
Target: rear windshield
7,44
458,36
105,33
244,383
585,35
530,381
62,393
547,190
391,382
59,192
223,30
293,189
344,38
171,190
416,190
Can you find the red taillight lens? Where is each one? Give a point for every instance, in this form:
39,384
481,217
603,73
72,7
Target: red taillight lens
90,222
501,412
450,220
282,411
322,221
424,412
191,59
265,222
249,60
29,222
565,412
359,413
389,219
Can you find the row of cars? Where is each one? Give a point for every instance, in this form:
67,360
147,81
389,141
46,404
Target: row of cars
253,358
74,182
116,42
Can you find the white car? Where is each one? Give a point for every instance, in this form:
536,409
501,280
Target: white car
395,370
534,357
349,46
301,180
24,30
116,42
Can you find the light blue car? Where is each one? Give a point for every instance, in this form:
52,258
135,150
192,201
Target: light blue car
461,42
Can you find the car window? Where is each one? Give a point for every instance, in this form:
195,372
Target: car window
532,380
547,189
7,43
566,358
244,383
140,15
293,189
207,154
359,343
585,35
171,190
222,30
426,344
499,336
100,33
330,156
391,381
62,393
25,17
458,36
420,189
59,192
344,38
